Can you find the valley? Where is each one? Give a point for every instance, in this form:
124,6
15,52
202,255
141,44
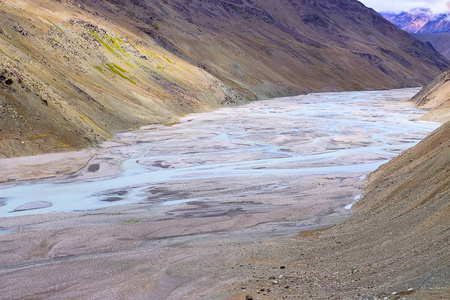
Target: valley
178,196
222,149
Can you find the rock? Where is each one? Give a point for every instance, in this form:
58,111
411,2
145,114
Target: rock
248,297
94,168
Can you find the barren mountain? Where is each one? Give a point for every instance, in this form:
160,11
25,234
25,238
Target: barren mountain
75,72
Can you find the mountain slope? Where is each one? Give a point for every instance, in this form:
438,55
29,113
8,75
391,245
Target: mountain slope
74,72
440,41
435,96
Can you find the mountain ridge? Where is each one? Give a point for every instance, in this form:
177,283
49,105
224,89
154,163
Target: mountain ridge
419,20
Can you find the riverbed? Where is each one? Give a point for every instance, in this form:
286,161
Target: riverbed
260,148
179,192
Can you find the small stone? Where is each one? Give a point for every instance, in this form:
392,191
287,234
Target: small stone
283,267
248,297
272,277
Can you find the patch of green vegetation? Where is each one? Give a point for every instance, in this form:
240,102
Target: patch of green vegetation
61,144
119,68
132,221
168,59
156,26
116,44
183,67
241,87
99,68
160,67
101,41
248,98
83,119
112,68
109,137
39,136
145,52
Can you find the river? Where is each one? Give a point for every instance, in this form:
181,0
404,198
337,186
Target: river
251,159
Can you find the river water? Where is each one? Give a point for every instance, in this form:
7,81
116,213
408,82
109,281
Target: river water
279,151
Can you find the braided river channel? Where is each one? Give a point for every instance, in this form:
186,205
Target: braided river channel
285,162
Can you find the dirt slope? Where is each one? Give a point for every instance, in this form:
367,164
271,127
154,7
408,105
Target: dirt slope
75,72
435,96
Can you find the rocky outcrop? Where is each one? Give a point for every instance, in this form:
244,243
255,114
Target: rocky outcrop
436,97
75,72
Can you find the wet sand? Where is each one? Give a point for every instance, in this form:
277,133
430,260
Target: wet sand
170,212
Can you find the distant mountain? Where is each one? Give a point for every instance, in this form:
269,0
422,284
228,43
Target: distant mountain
74,72
425,26
420,20
440,41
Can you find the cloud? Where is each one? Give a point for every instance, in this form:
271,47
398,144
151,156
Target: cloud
437,6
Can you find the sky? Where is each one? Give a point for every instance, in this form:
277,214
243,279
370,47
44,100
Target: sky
437,6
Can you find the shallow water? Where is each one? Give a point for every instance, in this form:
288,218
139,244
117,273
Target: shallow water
311,135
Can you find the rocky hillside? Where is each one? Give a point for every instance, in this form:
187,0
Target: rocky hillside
74,72
436,96
411,194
